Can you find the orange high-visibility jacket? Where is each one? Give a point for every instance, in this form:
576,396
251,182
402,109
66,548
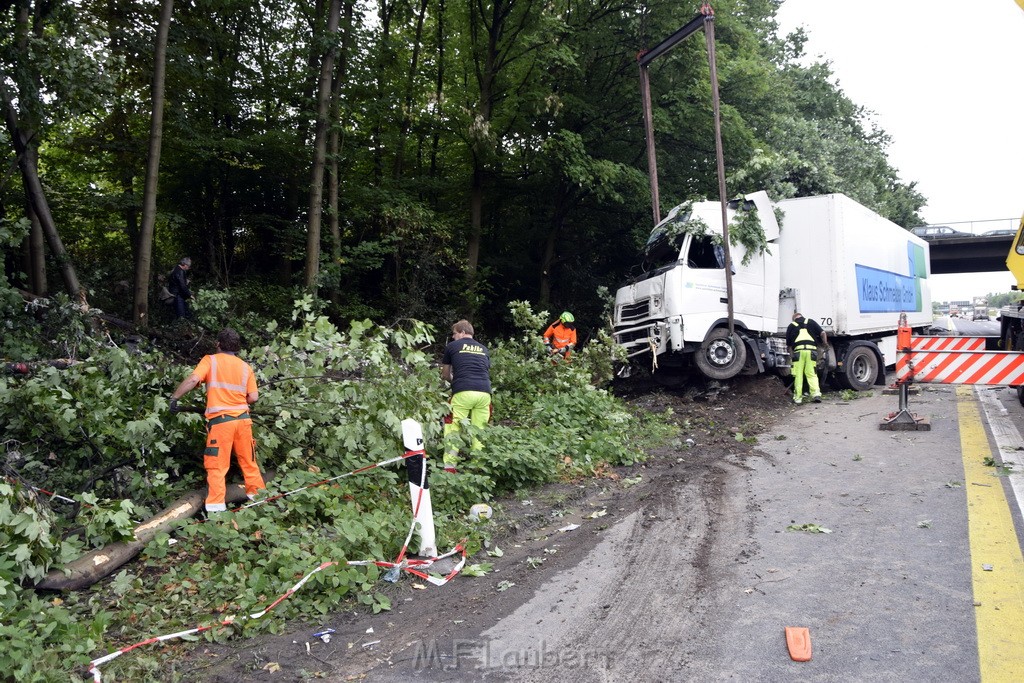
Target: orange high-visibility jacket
228,379
559,335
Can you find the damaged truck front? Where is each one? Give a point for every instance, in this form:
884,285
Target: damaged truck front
832,259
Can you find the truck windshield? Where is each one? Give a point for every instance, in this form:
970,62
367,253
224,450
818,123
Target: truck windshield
663,245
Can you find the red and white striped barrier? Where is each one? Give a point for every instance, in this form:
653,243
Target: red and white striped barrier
945,360
947,343
961,367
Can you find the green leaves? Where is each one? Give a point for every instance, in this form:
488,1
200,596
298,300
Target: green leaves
105,521
29,545
746,229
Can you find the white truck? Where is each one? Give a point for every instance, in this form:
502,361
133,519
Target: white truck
979,308
832,260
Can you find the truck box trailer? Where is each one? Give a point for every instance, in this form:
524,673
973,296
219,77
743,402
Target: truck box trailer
831,259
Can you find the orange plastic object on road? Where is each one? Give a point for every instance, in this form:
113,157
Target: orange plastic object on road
798,640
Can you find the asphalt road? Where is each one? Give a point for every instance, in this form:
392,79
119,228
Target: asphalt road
913,582
968,327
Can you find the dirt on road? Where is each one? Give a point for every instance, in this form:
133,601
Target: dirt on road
658,523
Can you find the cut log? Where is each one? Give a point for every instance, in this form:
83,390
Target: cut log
96,564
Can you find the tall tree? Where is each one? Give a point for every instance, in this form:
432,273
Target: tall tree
144,250
504,39
334,151
28,162
316,187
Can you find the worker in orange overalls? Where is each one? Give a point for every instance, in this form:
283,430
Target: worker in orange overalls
560,337
230,388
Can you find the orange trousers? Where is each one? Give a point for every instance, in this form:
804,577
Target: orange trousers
223,437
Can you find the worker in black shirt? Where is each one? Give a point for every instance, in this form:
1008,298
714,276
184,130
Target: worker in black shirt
467,365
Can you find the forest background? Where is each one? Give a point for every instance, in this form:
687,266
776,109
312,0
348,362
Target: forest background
348,179
402,158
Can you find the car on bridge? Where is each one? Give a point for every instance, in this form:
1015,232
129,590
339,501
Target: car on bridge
999,233
938,232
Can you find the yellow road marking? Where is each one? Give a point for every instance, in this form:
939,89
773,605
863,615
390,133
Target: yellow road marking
1000,616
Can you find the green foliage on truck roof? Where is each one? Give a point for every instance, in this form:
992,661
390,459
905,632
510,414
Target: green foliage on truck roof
746,229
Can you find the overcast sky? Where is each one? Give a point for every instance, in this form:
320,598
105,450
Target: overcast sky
945,80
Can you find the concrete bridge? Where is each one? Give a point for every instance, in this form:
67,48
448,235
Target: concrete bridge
969,254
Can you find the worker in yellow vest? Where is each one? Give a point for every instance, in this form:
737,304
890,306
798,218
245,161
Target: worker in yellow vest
802,338
230,388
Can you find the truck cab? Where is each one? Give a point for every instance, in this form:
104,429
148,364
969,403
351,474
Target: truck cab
682,293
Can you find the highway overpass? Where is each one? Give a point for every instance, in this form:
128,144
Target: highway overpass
969,254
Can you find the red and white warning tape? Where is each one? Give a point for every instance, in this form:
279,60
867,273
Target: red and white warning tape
412,566
94,665
407,454
53,495
402,563
65,499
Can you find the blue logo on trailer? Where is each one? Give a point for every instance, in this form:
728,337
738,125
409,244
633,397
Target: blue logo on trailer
881,291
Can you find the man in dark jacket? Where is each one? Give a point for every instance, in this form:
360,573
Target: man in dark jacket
802,337
177,284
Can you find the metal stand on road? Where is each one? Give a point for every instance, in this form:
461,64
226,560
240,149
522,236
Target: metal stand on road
903,420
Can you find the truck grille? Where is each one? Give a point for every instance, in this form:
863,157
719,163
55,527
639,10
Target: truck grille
636,311
643,334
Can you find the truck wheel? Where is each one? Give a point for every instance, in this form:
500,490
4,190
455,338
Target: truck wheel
720,357
1020,394
860,367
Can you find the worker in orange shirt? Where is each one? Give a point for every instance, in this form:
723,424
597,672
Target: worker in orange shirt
560,337
230,388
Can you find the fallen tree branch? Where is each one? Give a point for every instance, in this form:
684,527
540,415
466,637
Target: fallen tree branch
96,564
27,368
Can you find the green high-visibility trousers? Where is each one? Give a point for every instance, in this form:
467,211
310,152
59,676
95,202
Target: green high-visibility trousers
474,405
804,366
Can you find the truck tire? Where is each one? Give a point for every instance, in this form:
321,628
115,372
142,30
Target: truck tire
1020,394
720,357
860,367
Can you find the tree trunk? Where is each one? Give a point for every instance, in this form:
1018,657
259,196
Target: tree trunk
333,184
27,162
95,564
438,88
144,256
476,203
22,134
316,188
36,254
410,86
486,33
382,87
561,202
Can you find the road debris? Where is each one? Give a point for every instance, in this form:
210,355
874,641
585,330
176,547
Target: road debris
324,635
809,528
